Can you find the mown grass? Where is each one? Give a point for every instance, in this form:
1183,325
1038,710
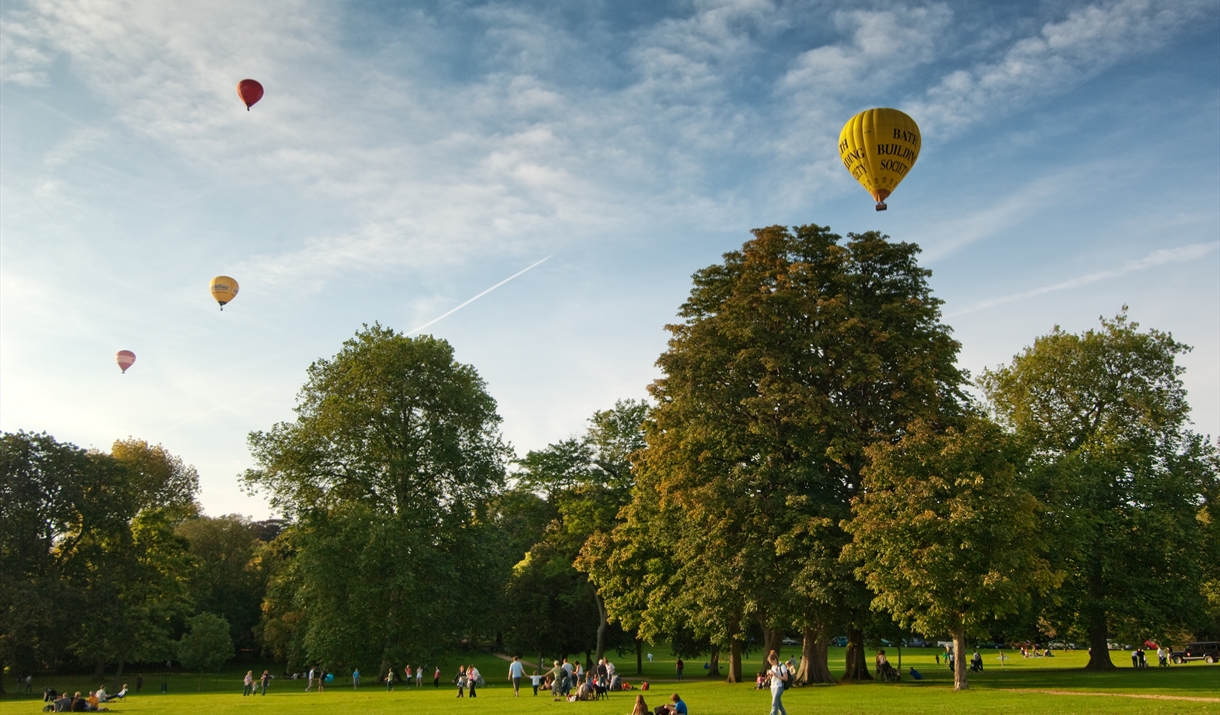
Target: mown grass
1010,687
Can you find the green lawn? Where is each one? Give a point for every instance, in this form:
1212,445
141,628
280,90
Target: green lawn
1008,688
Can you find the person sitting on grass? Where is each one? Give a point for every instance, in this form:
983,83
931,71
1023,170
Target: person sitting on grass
916,675
676,705
641,707
63,704
122,694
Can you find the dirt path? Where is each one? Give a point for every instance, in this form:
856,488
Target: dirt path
1118,695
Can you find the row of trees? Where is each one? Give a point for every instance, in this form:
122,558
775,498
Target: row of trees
815,459
813,462
104,557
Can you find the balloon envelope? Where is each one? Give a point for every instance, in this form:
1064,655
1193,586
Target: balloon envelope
879,147
250,92
125,359
224,289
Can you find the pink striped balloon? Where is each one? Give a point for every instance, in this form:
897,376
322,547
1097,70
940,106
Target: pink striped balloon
125,359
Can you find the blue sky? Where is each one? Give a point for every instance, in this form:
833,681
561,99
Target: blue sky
408,156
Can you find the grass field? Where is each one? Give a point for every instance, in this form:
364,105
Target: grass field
1053,685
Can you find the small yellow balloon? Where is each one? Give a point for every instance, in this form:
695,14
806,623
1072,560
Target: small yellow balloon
879,147
224,289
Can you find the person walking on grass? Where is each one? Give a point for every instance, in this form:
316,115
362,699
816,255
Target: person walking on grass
678,666
265,680
535,679
461,681
389,679
321,679
419,677
406,677
248,684
515,673
472,677
436,678
779,681
355,678
309,680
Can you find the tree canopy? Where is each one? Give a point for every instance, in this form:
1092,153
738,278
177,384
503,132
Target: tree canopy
796,353
945,533
387,471
1105,417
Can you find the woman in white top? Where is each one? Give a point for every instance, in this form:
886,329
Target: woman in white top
779,680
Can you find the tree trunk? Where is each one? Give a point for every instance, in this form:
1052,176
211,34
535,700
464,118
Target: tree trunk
815,666
857,667
734,661
639,657
601,626
100,671
959,658
713,667
114,686
1099,648
773,639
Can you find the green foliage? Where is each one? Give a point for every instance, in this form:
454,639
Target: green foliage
795,354
206,645
93,535
945,535
586,481
225,577
1105,417
388,470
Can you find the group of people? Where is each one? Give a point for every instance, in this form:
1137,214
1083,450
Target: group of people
885,672
1139,659
264,681
675,706
468,676
568,681
76,703
407,675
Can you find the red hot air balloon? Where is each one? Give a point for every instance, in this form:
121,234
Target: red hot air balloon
250,92
125,359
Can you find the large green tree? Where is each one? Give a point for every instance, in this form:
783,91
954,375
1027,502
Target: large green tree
1105,416
92,569
40,487
794,355
225,577
205,645
946,535
586,481
387,471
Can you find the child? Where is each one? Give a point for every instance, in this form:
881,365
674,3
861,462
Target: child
534,680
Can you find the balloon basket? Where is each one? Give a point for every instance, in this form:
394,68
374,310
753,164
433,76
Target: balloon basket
881,206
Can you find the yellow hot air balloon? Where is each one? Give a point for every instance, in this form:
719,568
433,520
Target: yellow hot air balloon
879,147
224,289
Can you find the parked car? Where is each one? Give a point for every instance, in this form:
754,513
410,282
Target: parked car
915,643
790,641
840,641
1206,651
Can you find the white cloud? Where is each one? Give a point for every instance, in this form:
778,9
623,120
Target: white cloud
1060,56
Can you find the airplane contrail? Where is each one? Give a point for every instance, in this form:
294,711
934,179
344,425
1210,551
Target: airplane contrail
480,295
230,403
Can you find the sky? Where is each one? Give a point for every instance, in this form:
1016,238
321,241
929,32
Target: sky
408,156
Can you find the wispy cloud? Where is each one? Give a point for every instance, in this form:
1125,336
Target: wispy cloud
1060,56
1156,258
